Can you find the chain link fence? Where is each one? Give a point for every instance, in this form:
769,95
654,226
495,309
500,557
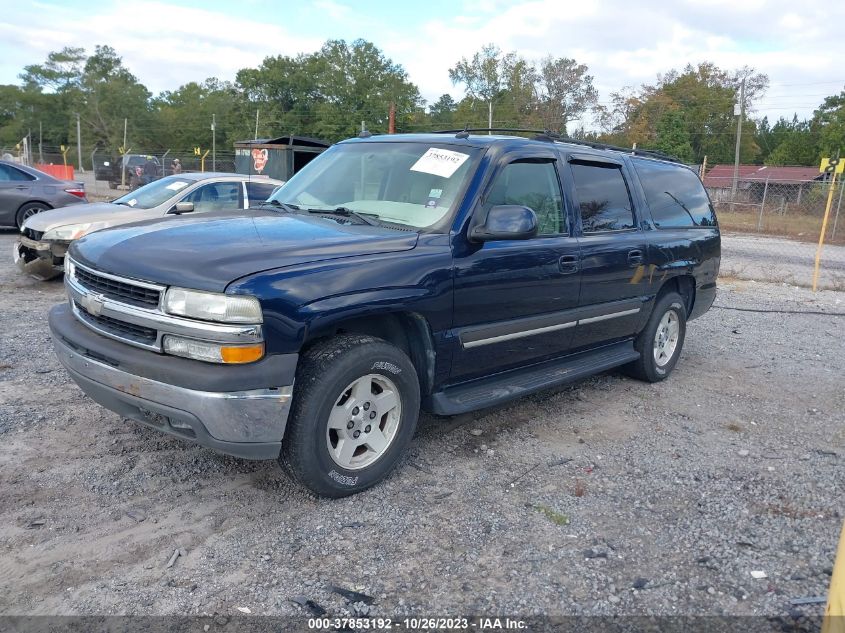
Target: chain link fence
771,227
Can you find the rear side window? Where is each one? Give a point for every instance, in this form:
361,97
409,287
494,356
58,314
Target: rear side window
259,191
218,196
8,173
675,196
602,197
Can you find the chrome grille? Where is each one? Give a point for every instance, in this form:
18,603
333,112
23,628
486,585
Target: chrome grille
122,329
120,290
129,310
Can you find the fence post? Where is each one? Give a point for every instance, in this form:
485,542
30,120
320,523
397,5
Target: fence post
838,205
824,222
762,205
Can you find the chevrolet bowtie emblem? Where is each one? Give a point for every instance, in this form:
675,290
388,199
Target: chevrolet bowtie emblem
93,304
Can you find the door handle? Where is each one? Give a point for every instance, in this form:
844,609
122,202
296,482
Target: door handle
22,187
635,257
568,264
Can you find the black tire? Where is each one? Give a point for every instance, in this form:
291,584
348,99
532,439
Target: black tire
323,374
30,209
646,366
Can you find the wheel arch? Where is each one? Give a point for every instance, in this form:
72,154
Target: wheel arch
35,201
19,220
684,285
407,330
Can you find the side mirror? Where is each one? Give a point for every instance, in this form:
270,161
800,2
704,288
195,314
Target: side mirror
506,222
183,207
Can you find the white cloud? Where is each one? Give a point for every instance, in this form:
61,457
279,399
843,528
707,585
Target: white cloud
623,43
629,44
163,44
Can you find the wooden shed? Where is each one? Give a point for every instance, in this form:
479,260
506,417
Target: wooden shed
278,158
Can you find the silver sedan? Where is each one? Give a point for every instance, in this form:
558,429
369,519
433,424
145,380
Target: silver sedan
25,191
45,237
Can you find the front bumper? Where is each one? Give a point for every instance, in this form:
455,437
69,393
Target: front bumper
42,260
246,423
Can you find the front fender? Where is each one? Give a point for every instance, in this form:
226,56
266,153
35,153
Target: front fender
311,297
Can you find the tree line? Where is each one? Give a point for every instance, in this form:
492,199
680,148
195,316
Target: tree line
688,113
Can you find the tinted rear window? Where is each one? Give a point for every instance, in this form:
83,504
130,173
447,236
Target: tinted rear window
259,191
603,197
675,195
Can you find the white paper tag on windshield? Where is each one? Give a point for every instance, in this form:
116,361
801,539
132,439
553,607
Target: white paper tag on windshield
176,186
132,202
440,162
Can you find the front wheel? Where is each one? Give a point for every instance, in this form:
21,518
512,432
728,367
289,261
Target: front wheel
661,341
355,409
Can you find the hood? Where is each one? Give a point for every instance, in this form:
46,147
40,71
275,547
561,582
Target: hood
210,250
113,214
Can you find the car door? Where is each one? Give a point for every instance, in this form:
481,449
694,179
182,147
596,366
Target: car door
15,191
613,246
216,196
514,299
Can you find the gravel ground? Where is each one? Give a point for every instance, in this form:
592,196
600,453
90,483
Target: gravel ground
608,497
779,260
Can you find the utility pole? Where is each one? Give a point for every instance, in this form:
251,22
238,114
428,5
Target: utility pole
489,115
213,142
40,135
122,154
79,145
391,119
739,110
257,110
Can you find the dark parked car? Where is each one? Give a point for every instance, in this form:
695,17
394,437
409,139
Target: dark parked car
25,191
448,272
128,163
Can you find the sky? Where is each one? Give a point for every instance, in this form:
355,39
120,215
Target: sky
624,43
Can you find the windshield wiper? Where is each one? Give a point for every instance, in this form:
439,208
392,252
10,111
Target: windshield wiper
366,218
282,205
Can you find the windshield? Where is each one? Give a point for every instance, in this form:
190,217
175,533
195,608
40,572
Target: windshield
153,194
413,184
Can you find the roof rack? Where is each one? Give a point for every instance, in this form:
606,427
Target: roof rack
551,137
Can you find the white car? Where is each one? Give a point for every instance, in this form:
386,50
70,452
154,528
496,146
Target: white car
45,237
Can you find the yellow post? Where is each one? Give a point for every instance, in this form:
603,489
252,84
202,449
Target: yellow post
834,620
202,160
64,151
824,230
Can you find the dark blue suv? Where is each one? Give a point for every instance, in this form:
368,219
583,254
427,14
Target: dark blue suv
448,272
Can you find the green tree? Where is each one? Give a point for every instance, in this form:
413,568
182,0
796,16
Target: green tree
788,142
565,92
705,94
673,136
328,93
484,76
108,94
183,117
442,112
829,121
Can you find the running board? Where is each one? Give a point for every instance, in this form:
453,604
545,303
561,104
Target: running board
487,392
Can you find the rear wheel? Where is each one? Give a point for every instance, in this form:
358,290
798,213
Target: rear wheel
28,210
355,409
661,341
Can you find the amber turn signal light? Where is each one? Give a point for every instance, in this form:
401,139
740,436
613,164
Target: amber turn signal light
242,354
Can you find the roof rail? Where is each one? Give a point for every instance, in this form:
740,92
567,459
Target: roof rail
551,137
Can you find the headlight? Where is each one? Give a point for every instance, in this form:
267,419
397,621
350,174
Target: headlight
212,306
74,231
213,352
